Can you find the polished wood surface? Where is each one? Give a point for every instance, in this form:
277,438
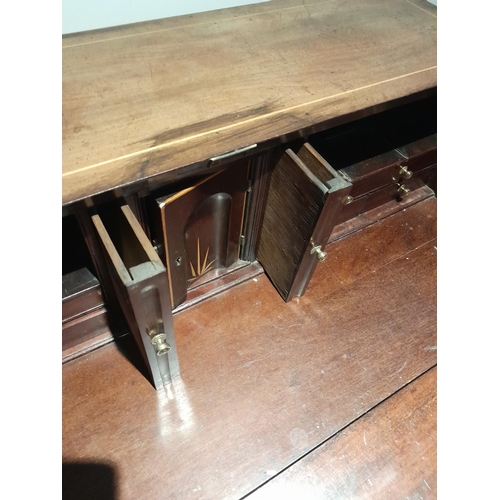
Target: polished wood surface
156,97
265,382
388,453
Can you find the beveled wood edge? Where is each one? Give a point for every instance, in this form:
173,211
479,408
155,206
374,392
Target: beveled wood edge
306,171
166,200
391,158
141,236
78,184
112,252
430,143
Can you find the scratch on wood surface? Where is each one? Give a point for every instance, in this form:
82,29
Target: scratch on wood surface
403,367
364,438
427,484
244,39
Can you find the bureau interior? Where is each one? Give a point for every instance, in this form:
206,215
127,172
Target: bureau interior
377,134
206,229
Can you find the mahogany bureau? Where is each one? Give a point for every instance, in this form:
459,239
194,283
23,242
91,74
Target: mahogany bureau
203,150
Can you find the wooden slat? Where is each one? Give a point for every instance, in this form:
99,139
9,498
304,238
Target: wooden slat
263,381
110,248
141,237
388,453
155,100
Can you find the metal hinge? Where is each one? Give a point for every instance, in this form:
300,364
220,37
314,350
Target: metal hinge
242,239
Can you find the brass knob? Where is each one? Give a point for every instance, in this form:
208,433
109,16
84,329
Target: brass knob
403,190
405,173
320,255
347,199
160,343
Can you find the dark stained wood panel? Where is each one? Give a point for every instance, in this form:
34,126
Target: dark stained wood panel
206,217
152,99
293,206
388,453
263,381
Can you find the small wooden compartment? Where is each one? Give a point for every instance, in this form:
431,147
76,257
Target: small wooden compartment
380,154
84,315
199,229
302,207
84,312
141,284
81,293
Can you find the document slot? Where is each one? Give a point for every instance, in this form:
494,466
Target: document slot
141,283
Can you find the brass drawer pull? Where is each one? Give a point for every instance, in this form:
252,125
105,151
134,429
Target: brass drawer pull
405,173
403,190
161,344
320,254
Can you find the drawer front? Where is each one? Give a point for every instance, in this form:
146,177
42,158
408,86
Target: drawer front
374,173
420,154
352,209
398,165
381,149
397,191
81,293
84,327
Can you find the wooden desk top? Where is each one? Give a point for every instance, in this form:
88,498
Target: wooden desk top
264,383
150,98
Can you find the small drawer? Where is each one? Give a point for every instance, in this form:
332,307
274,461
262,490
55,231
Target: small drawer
397,191
84,327
420,154
374,173
381,149
81,293
352,209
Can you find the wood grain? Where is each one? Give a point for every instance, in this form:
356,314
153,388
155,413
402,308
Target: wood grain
388,453
263,381
294,202
385,241
151,101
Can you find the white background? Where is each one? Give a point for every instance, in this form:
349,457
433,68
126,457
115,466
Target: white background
83,15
